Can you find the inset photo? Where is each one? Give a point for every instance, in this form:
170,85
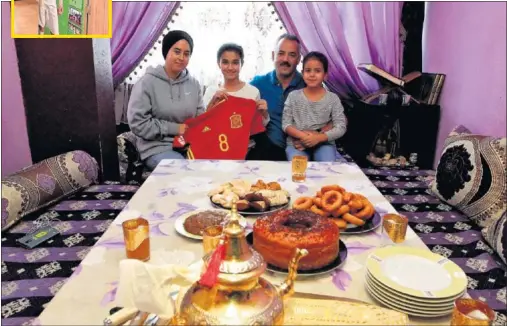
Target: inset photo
61,18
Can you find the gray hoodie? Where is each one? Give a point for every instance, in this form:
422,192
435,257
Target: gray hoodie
158,105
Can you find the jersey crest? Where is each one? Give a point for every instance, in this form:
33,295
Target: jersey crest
206,129
236,121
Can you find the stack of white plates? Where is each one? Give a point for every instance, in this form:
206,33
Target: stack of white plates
414,281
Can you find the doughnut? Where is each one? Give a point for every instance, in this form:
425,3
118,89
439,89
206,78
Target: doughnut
325,189
347,196
356,204
342,210
332,200
341,223
276,236
303,203
366,212
353,220
319,211
359,196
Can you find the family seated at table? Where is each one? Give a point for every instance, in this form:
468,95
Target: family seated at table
300,116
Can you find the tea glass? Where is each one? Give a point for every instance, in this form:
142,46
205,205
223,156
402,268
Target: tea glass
394,228
211,238
299,165
136,233
472,312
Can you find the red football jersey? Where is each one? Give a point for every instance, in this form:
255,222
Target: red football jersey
224,132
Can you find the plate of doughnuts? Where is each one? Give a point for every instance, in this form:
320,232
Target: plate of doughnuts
251,199
352,212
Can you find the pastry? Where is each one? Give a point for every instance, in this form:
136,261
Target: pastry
225,200
259,206
274,186
242,205
275,197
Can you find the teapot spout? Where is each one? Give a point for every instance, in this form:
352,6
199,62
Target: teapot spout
287,287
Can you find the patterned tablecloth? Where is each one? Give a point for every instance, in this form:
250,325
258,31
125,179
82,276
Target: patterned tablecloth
177,187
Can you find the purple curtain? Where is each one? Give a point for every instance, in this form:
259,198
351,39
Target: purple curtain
136,27
348,33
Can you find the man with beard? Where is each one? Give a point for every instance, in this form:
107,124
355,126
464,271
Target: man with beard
274,87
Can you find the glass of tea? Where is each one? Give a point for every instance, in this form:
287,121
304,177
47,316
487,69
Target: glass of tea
395,227
472,312
136,233
299,165
211,237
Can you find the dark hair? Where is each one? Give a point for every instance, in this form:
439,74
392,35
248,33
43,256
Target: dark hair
231,47
174,36
317,56
290,37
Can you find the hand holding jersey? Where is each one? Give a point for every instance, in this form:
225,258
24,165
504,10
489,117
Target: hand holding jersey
218,97
262,106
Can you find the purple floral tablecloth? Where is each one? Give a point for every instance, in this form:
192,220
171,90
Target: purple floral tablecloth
177,187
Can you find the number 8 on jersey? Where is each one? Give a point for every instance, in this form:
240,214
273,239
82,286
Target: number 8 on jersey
223,142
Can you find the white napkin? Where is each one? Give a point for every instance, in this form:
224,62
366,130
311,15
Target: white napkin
150,286
146,287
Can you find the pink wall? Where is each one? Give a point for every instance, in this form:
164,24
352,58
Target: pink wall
15,148
467,42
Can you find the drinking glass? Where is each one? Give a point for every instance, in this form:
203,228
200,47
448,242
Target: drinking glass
136,233
472,312
395,227
211,237
299,165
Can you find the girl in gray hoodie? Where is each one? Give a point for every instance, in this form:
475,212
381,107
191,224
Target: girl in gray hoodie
163,99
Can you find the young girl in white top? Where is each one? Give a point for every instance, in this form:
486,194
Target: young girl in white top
230,59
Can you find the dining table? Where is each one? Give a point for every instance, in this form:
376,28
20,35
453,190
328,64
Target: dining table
179,187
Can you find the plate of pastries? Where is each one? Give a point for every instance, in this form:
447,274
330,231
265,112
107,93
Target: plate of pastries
351,212
251,198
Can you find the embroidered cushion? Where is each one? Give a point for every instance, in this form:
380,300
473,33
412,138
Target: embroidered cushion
471,175
45,183
496,236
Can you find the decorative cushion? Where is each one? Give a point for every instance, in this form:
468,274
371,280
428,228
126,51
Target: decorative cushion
496,236
45,183
127,151
471,175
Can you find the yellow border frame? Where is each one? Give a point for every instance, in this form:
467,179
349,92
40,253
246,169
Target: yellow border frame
109,35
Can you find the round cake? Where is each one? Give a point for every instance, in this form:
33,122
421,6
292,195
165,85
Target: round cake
276,237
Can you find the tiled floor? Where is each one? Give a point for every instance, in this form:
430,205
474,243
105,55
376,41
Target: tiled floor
26,17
